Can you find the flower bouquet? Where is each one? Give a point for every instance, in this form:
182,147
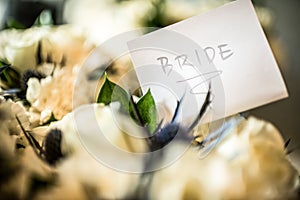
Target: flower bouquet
97,147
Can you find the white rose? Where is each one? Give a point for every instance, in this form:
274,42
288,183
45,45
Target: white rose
19,47
80,169
64,45
250,163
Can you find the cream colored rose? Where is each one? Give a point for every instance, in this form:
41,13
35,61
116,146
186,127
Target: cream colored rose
19,47
53,94
66,45
250,163
109,122
55,51
63,45
79,170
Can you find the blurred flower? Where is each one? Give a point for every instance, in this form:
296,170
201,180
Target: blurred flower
57,52
250,163
104,19
8,112
26,49
19,47
81,175
20,168
52,94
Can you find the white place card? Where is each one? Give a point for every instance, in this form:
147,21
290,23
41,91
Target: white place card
225,47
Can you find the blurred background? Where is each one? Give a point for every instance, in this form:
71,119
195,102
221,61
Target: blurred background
103,19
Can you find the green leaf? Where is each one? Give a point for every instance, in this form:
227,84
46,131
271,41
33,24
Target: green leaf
146,116
3,68
3,63
9,77
110,92
51,119
14,24
147,110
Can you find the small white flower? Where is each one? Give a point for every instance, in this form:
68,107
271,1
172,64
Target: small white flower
34,90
